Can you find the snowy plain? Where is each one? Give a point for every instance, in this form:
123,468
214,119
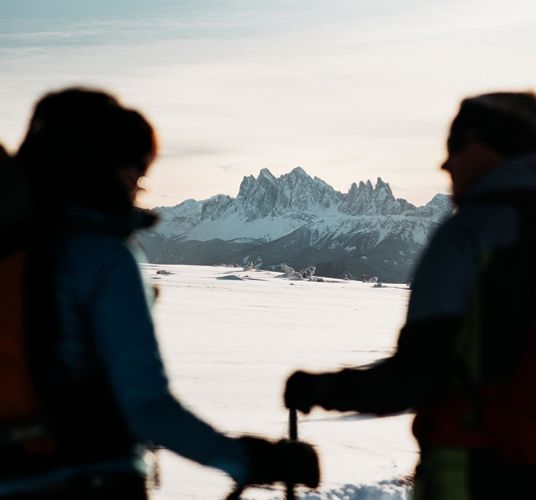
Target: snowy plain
229,339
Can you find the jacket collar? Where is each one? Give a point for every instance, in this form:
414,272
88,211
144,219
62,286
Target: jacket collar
119,224
513,176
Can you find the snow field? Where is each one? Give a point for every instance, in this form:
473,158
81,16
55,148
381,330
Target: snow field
229,345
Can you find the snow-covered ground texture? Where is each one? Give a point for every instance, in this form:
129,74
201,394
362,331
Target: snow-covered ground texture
230,338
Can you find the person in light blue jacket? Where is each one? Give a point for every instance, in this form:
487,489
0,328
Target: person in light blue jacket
94,357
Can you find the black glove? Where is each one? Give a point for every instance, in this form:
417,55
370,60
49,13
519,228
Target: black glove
285,461
305,390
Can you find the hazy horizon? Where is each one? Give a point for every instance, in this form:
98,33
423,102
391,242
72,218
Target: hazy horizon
349,90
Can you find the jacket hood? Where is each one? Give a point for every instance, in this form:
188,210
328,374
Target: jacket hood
517,175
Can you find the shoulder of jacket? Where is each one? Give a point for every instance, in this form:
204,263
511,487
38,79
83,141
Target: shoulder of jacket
95,250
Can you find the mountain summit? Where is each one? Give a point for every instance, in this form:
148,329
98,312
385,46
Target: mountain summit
301,221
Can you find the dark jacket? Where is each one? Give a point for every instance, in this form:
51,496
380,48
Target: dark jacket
447,279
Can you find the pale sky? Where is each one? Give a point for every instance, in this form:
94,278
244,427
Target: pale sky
349,90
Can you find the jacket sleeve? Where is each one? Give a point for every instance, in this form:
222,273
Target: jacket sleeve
125,342
425,362
422,367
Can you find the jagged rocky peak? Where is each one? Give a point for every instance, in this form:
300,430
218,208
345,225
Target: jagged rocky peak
266,174
385,202
366,199
296,179
295,191
246,185
294,196
358,200
300,217
256,197
383,189
321,182
441,200
250,183
215,206
368,187
298,173
301,192
439,207
358,190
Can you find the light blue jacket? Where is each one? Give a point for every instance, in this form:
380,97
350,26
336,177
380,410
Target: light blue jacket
98,275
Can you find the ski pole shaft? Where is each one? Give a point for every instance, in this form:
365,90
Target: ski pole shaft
293,436
293,424
235,494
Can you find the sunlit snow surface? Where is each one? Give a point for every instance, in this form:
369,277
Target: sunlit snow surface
230,338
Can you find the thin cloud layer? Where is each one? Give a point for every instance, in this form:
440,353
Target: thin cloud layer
349,90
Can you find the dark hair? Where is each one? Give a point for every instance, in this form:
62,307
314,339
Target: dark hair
76,142
503,121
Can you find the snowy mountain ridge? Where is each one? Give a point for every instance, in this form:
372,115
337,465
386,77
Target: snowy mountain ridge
296,215
267,208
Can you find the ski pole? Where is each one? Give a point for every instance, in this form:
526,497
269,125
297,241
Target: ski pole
293,437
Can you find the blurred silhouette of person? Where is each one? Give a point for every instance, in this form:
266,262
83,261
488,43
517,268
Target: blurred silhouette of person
101,391
466,357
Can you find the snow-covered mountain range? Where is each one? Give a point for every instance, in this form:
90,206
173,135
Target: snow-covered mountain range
300,221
